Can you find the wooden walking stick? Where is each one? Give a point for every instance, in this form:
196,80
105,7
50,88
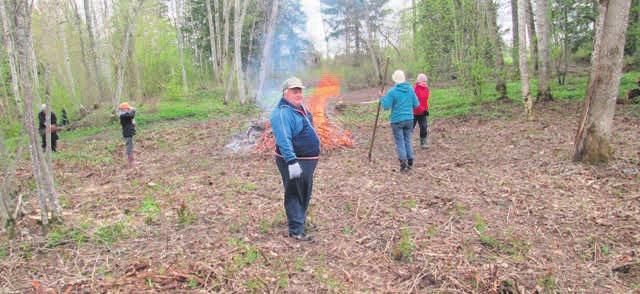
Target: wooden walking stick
375,125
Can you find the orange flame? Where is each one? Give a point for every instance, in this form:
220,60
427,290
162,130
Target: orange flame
331,137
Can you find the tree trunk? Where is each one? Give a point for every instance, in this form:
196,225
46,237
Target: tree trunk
533,36
178,24
34,71
369,42
130,28
515,55
93,52
593,139
212,41
65,53
544,74
266,50
496,40
23,32
226,7
216,21
83,48
11,56
524,68
47,163
238,21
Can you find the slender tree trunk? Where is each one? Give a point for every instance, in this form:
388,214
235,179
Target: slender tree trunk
34,71
216,21
130,28
83,48
515,55
239,15
226,9
266,49
23,33
11,56
47,163
369,41
524,68
496,40
178,24
593,139
93,52
65,53
533,36
544,74
212,40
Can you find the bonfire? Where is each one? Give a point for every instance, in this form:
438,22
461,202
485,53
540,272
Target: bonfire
331,136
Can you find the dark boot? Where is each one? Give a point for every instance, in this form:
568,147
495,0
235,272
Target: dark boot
423,143
409,163
404,166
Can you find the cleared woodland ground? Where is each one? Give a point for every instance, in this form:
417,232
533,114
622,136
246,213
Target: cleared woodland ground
495,203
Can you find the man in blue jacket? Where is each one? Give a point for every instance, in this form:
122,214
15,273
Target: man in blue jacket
297,153
401,100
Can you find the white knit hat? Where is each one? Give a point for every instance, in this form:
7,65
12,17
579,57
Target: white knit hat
398,77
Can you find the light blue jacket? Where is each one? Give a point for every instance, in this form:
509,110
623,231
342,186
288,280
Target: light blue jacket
402,100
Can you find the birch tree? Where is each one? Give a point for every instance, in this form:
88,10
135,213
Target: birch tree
178,23
524,68
496,40
515,55
238,21
593,139
212,40
544,73
93,52
11,55
65,51
266,49
533,35
130,25
44,179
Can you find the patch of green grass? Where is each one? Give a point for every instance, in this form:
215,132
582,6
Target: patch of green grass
254,284
150,208
548,283
265,226
347,230
248,254
298,264
109,234
283,280
403,250
410,203
480,224
324,277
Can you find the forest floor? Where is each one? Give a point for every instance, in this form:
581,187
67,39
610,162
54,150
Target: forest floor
496,203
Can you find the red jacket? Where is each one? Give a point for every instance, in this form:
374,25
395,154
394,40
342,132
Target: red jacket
423,96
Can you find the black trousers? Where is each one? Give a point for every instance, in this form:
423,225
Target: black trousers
54,140
297,193
423,122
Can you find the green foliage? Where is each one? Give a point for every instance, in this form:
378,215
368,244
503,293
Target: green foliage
403,250
109,234
150,208
247,256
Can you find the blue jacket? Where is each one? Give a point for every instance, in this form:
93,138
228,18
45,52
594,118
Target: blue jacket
402,100
294,133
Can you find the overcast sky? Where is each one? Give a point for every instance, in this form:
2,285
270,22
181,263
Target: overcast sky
315,28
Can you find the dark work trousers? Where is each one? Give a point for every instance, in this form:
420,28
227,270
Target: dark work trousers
423,122
54,140
297,193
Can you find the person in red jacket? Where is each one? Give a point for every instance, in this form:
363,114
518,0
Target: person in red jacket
421,114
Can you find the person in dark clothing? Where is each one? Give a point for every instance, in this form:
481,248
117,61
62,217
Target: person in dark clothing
421,114
65,119
127,121
297,153
42,128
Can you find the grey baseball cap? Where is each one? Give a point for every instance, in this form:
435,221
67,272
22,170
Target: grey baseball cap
292,82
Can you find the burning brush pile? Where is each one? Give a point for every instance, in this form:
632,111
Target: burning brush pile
331,136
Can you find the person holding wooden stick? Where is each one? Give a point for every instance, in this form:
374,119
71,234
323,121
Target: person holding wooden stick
297,153
401,100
